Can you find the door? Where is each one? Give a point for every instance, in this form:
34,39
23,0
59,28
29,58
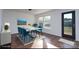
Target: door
68,24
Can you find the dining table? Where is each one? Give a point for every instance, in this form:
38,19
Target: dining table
31,29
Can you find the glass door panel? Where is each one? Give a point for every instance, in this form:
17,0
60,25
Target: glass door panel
68,24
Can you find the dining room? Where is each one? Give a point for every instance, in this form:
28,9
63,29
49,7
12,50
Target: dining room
30,33
36,28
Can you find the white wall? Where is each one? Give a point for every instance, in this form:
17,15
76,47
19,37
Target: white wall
0,19
12,16
56,22
77,25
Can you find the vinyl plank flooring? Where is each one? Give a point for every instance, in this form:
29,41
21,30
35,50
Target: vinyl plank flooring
51,41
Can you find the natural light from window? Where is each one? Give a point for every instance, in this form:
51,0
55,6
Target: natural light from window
45,20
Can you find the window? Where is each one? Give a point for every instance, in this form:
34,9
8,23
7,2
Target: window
41,21
45,21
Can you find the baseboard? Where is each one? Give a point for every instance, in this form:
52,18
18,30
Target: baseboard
5,46
14,34
51,34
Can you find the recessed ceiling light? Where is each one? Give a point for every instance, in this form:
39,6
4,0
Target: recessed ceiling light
29,9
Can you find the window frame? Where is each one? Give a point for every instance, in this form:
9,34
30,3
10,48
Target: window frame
43,21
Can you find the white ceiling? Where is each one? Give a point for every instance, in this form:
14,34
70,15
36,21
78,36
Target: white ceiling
33,11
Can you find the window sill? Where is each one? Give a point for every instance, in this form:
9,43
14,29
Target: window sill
47,28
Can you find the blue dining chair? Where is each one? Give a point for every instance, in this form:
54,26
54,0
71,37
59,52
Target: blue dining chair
20,32
26,36
40,29
35,25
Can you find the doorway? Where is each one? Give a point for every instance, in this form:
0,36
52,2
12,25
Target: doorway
68,25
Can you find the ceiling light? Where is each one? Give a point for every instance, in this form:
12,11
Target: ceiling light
29,9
